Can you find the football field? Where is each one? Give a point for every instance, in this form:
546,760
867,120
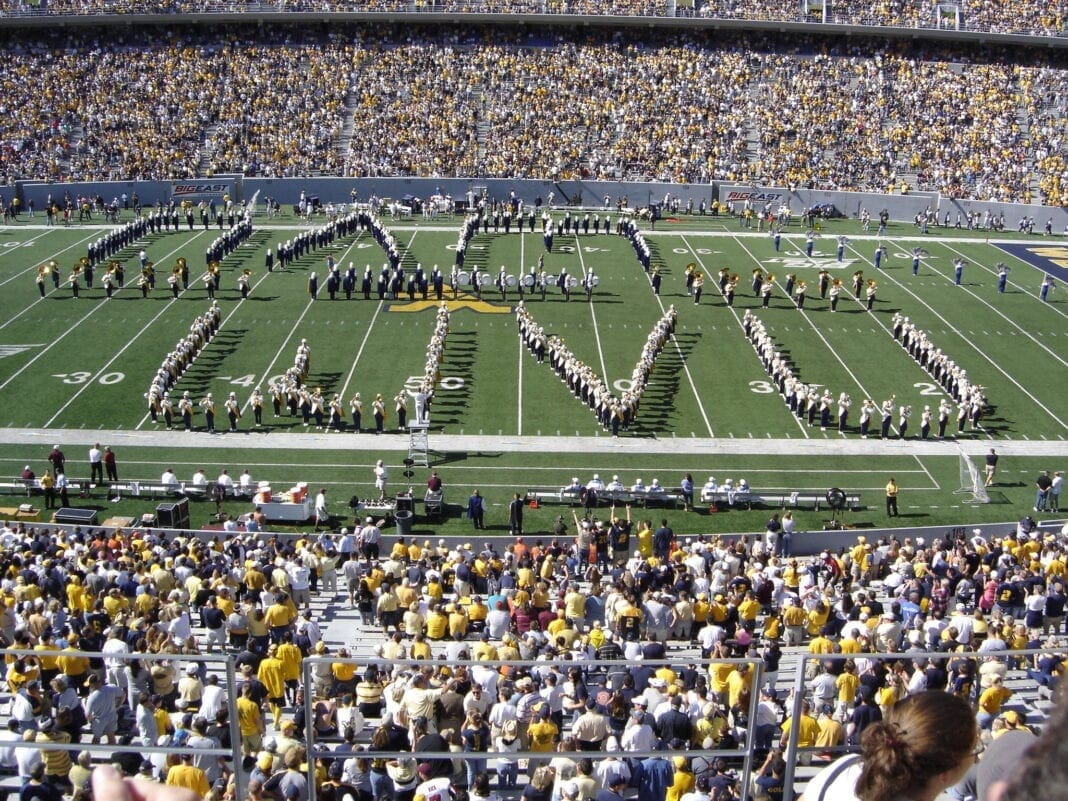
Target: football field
86,363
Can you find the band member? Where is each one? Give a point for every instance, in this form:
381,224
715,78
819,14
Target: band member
233,411
42,274
880,253
502,285
944,408
958,270
256,402
400,401
366,282
438,281
208,405
824,283
356,407
209,284
925,422
313,286
337,414
378,407
1003,277
799,294
243,283
655,280
172,282
698,286
758,281
76,282
836,291
144,285
904,413
185,407
887,416
108,282
870,293
766,289
844,402
867,410
788,287
732,286
167,407
724,277
858,283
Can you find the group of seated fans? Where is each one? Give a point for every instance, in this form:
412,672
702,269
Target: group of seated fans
996,16
577,107
614,625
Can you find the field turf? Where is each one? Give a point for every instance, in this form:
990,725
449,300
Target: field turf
84,364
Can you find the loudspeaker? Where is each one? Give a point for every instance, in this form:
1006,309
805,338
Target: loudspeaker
173,515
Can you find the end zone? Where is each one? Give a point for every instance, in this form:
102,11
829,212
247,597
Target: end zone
1049,257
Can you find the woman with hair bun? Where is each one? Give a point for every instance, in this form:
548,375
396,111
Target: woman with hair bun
924,745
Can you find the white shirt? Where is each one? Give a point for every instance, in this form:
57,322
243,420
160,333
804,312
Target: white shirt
320,503
95,455
212,698
225,480
169,479
199,479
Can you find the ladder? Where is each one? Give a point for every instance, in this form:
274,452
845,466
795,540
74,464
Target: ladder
418,444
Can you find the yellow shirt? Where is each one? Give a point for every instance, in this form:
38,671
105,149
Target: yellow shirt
542,735
248,716
847,684
748,609
291,658
272,673
190,777
807,732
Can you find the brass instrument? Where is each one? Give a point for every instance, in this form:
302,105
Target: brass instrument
148,269
176,270
837,281
246,272
84,261
44,271
180,264
77,269
871,283
769,278
213,266
691,267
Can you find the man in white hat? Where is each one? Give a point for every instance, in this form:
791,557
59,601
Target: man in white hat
370,539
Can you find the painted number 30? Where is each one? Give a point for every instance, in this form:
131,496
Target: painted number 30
82,377
761,387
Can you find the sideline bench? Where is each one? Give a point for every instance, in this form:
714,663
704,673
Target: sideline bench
815,501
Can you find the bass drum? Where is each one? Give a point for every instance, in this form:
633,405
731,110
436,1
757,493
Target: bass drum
572,282
595,280
511,281
484,279
527,280
463,277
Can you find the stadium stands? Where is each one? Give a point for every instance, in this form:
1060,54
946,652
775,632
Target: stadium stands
412,102
995,16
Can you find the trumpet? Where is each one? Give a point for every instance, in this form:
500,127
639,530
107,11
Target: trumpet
84,261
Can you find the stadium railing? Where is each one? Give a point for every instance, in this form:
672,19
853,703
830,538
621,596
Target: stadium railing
1015,25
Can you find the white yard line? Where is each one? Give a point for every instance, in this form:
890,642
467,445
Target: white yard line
823,339
886,274
519,383
923,467
686,367
36,264
737,319
1000,313
1022,289
359,352
72,329
593,314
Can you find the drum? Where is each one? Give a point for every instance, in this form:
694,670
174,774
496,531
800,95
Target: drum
484,279
572,282
511,281
550,280
527,280
595,280
463,277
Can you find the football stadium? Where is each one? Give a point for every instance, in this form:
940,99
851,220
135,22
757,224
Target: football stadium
399,399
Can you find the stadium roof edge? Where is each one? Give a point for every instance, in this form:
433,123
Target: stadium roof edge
33,20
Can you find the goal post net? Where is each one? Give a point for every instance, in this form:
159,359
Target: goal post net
971,481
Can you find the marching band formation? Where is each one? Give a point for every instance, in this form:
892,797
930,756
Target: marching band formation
175,363
970,398
614,413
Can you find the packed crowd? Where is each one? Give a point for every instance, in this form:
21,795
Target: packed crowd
607,592
995,16
750,109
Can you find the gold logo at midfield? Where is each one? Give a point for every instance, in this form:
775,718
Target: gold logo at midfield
462,301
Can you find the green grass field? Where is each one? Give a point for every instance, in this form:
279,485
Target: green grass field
85,364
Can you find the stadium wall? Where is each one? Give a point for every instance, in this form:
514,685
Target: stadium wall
588,193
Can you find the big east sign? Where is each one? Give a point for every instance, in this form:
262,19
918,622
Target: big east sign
200,189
